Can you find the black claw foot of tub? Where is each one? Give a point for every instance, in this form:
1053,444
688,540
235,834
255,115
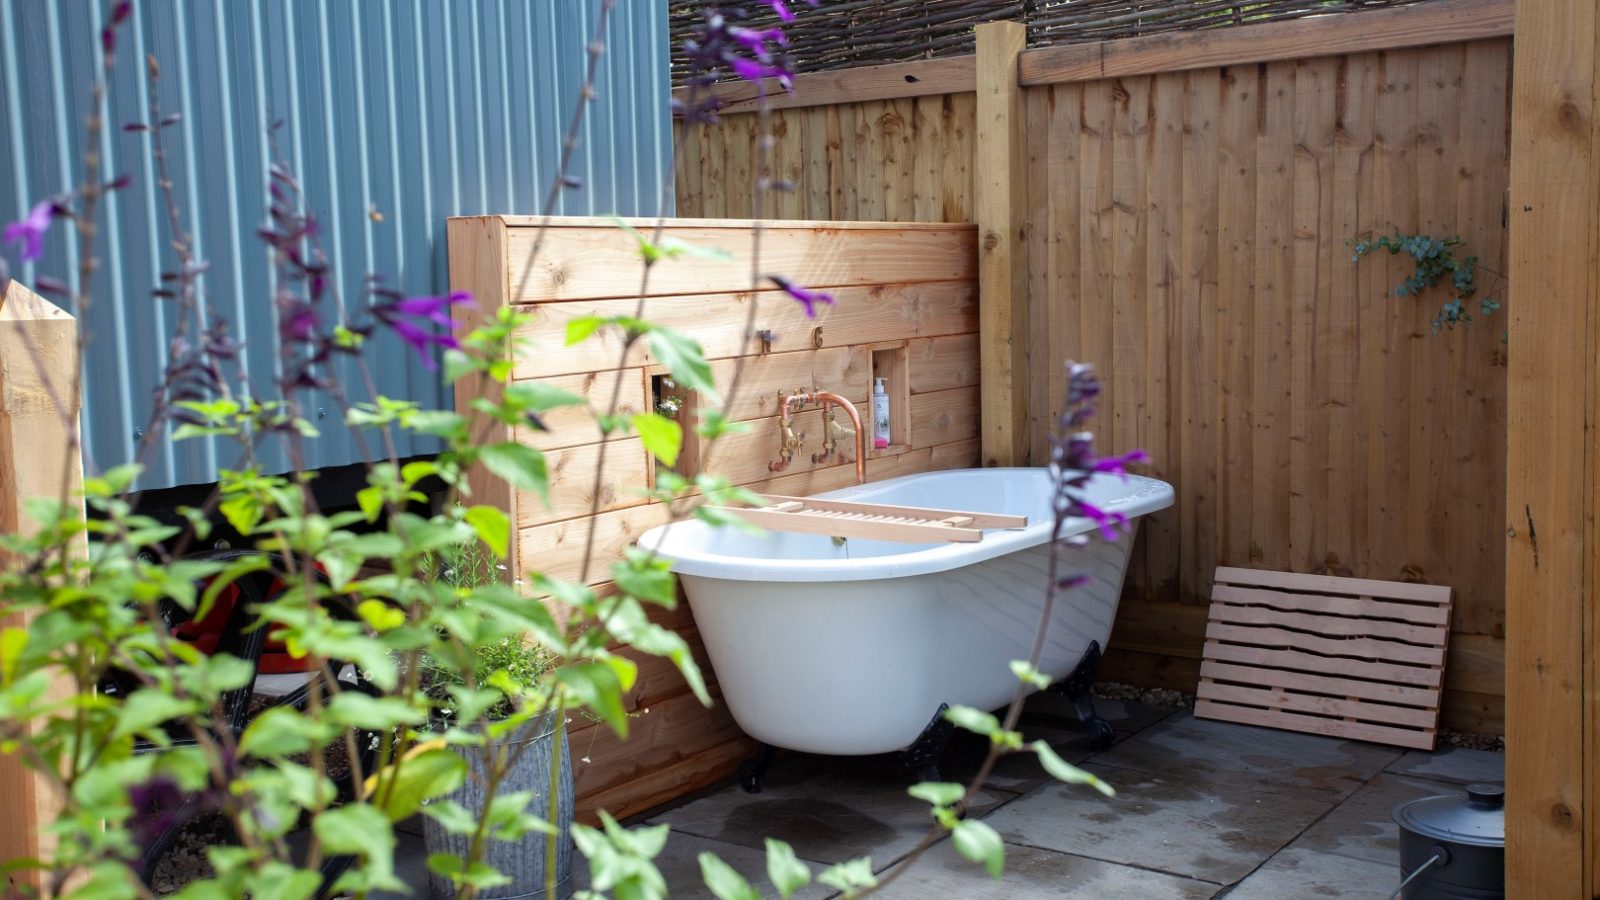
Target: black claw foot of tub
921,759
1077,687
753,771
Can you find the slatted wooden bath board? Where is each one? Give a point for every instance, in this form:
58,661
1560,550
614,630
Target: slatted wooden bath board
1344,657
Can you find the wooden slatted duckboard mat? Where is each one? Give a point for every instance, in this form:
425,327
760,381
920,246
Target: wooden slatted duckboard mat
1343,657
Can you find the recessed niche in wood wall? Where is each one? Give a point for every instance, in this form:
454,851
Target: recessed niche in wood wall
891,362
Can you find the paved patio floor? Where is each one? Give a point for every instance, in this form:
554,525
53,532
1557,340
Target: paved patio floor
1203,809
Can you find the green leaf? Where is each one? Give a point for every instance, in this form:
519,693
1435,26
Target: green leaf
144,710
371,502
723,881
452,816
493,527
939,793
597,686
425,773
646,577
285,881
974,720
12,642
520,465
850,876
579,328
381,615
981,844
684,358
785,870
1061,770
353,828
662,437
1027,674
539,396
357,710
281,731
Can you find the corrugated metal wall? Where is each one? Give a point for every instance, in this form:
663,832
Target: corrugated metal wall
395,113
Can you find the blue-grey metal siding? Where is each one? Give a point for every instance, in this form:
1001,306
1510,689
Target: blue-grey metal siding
394,113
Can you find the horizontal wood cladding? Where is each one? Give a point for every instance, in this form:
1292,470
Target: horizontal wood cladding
906,289
722,323
603,262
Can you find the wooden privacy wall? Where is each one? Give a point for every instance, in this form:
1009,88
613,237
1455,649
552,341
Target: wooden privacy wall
900,160
1189,233
906,307
1190,236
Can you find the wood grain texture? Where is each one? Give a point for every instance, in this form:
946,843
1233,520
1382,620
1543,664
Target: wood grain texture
37,405
721,323
1325,655
1552,465
1306,417
918,316
1000,192
1414,26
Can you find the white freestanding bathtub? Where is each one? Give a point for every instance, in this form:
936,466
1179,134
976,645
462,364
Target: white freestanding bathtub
850,646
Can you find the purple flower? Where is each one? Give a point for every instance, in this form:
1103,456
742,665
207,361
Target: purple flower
807,298
752,70
31,230
1118,465
155,808
435,309
1108,521
755,40
782,9
407,316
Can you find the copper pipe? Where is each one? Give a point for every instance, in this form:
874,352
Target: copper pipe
827,397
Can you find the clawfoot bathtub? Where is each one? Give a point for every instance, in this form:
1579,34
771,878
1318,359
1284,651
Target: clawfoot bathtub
851,646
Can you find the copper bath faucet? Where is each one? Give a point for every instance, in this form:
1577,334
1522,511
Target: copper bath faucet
790,443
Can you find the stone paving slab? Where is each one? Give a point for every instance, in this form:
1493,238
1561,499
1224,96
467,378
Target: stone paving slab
679,864
1209,752
1198,827
1034,874
1302,873
1361,826
1456,764
829,810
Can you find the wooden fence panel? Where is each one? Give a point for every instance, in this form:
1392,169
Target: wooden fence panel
1188,232
1307,417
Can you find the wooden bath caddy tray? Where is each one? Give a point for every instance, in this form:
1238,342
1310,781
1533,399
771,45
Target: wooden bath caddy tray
873,521
1344,657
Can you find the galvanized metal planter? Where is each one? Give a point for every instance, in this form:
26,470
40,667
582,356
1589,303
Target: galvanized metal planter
522,861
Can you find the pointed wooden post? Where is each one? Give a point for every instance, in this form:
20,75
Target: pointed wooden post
1553,461
1000,201
37,355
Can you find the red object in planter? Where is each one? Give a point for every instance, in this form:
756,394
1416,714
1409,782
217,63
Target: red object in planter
206,632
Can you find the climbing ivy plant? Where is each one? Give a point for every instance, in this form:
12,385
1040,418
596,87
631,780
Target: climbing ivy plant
1437,262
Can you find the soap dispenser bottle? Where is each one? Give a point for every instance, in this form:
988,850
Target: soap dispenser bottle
880,415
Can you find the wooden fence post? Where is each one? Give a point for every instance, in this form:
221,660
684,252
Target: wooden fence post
1552,462
1000,201
34,434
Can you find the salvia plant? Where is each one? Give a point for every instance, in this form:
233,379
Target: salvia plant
1436,262
421,654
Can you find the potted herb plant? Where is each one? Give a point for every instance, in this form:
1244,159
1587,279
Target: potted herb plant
522,764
